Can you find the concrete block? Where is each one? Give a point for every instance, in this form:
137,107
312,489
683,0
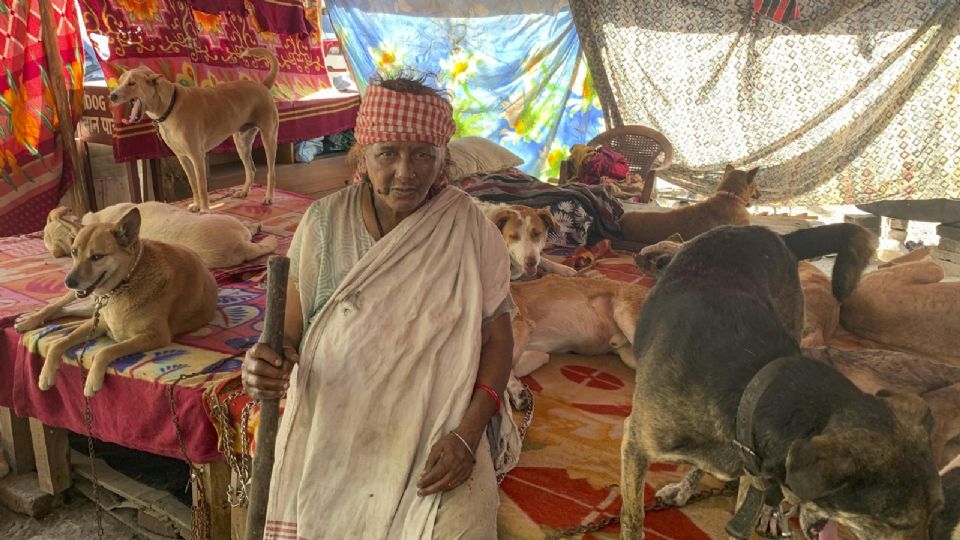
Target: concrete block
22,494
951,231
899,224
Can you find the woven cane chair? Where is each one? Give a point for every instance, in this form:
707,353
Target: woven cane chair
641,146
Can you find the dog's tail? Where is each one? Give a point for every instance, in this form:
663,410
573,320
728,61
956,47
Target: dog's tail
853,245
270,58
253,250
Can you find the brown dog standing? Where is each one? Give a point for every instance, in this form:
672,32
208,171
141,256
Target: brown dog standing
728,206
150,292
193,120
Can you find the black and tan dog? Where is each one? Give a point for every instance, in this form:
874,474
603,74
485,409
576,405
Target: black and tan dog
729,307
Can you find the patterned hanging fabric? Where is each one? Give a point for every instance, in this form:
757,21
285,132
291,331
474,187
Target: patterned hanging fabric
34,172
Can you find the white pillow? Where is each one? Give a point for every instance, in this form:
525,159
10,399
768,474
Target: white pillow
476,155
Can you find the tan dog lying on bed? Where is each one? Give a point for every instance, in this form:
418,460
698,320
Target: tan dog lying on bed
150,292
524,229
582,315
193,120
728,206
821,311
220,240
907,305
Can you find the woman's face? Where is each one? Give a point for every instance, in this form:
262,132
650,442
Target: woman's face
403,171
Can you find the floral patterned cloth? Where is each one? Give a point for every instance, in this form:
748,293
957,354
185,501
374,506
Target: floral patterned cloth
32,172
513,69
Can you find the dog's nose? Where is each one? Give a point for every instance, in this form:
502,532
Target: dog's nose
530,262
114,98
70,282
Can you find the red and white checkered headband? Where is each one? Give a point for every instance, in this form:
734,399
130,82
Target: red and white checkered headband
386,115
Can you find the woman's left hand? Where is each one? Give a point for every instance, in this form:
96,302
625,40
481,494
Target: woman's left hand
449,464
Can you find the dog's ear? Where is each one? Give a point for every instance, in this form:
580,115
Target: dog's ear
57,213
675,237
548,220
910,409
818,467
71,225
751,174
128,229
502,216
152,78
728,169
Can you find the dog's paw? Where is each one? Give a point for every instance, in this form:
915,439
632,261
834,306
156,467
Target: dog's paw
194,207
240,194
25,323
564,270
520,396
676,494
48,378
93,385
267,201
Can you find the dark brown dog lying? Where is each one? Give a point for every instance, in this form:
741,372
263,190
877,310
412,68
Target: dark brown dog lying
729,307
728,206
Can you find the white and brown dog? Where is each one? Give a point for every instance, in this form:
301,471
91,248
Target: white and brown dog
581,315
524,230
192,121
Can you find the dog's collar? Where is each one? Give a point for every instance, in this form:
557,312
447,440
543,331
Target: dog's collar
733,196
166,113
104,298
766,490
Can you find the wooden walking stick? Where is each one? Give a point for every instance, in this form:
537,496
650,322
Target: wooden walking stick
277,268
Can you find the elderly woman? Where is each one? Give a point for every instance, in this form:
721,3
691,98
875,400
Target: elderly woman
395,425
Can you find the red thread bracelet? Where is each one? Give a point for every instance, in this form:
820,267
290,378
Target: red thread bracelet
490,391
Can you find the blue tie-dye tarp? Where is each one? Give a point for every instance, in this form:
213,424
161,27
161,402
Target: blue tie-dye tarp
514,69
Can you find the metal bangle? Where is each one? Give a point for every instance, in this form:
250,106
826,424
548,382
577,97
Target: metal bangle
467,446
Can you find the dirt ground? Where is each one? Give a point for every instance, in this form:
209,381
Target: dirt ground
76,520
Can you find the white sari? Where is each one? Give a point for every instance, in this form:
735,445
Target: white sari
387,366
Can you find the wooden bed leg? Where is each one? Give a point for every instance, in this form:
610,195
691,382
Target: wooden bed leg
216,479
52,452
15,442
238,515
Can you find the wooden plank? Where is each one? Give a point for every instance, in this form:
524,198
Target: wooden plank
156,501
216,479
52,452
238,522
120,510
15,442
59,91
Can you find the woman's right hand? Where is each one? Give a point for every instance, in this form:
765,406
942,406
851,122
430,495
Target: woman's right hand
264,373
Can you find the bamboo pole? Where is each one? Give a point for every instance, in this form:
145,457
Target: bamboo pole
277,268
62,100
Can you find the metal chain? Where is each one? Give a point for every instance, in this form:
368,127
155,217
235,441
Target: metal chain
524,424
88,414
728,489
200,528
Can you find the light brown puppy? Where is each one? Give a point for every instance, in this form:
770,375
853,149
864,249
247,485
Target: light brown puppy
582,315
193,120
150,292
728,206
907,305
220,240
